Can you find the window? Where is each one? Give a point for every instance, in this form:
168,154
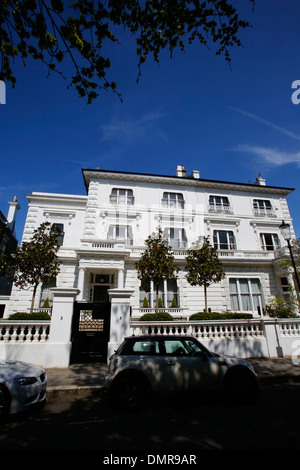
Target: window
224,240
245,295
173,200
122,197
269,241
167,293
219,204
60,238
176,237
141,347
120,232
263,208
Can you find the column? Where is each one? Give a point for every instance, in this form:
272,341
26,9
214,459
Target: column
80,283
119,317
121,279
59,346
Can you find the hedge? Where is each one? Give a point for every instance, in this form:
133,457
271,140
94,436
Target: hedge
29,316
220,316
161,316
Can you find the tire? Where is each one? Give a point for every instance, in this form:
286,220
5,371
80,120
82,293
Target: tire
4,402
240,385
130,392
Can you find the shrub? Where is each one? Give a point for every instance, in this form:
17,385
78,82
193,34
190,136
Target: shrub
281,307
220,316
46,303
161,316
30,316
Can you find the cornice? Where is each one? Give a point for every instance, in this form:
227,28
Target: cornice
90,174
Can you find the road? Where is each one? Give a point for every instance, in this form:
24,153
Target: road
70,422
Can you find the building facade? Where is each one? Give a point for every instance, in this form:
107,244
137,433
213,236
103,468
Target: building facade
8,243
103,235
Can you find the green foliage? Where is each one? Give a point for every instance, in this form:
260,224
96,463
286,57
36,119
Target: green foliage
174,303
157,262
46,303
52,32
221,316
203,267
30,316
145,303
160,316
281,307
35,261
160,303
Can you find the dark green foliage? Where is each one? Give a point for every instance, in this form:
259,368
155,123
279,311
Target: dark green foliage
161,316
35,261
220,316
157,262
203,267
81,33
30,316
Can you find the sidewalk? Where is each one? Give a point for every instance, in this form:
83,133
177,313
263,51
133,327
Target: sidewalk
84,378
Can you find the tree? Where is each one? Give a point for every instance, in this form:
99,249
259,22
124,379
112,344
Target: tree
286,262
35,261
53,33
156,263
203,267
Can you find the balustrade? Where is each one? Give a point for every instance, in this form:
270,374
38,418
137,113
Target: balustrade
21,332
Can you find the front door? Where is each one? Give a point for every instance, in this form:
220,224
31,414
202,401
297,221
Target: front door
101,293
90,331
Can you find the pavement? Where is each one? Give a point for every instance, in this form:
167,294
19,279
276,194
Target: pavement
89,377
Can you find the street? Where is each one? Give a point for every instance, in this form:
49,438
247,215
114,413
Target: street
71,422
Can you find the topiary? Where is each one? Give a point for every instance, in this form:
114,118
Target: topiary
30,316
161,316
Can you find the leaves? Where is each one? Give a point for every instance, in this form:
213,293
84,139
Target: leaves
35,261
51,33
157,262
203,267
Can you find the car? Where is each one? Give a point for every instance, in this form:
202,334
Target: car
21,385
169,364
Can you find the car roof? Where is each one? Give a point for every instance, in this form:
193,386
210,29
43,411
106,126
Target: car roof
159,337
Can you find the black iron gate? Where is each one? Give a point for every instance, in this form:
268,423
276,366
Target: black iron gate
90,331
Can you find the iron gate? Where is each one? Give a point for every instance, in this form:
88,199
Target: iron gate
90,331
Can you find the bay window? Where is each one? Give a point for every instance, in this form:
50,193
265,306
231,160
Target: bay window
224,240
245,294
269,241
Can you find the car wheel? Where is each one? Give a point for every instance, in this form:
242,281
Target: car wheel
131,392
4,402
240,385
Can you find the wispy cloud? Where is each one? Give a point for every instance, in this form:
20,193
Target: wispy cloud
280,129
274,156
130,130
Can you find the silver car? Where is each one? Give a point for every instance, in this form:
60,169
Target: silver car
21,385
172,364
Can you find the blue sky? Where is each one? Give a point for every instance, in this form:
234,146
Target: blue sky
192,110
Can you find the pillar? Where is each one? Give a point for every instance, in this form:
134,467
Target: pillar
119,318
59,346
80,284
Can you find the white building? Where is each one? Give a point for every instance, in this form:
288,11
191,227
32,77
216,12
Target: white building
104,234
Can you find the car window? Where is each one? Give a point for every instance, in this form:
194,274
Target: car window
147,347
175,348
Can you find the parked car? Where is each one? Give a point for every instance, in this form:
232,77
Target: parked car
21,385
172,364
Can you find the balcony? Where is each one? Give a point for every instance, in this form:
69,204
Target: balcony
257,212
172,203
220,208
121,200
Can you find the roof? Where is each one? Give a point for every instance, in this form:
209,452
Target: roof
89,174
